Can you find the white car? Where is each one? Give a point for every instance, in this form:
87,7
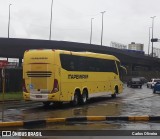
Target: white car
152,83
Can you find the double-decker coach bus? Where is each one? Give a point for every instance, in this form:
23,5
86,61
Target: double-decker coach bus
64,76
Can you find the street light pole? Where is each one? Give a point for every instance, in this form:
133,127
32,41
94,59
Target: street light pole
152,32
149,39
102,27
51,21
91,31
9,20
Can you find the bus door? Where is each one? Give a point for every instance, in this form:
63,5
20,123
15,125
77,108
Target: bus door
114,79
60,84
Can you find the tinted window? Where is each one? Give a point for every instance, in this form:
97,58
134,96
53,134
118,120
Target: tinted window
136,79
79,63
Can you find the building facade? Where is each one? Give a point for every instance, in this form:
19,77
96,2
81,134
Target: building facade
136,46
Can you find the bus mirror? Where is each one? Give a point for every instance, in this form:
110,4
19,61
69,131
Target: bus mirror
124,69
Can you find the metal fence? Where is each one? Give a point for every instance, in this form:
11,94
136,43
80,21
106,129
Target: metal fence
13,80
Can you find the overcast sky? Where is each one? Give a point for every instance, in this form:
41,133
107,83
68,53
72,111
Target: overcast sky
125,21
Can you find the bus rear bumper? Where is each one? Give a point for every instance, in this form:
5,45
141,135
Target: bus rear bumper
26,96
40,97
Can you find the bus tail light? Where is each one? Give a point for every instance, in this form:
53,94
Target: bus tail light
24,87
55,86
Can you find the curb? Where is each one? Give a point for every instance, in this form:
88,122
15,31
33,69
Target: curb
78,119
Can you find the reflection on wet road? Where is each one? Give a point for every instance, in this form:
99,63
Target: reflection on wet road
134,101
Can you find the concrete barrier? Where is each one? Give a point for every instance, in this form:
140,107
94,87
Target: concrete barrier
78,119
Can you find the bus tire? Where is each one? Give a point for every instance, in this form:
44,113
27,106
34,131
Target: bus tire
75,100
84,97
57,104
46,103
114,95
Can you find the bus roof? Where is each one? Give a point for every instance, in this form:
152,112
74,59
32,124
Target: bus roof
86,54
89,54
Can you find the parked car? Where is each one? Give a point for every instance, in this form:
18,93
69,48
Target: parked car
134,82
156,87
151,83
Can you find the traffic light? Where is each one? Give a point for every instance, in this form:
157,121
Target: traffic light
154,40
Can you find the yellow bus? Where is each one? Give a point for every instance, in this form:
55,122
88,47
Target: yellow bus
56,76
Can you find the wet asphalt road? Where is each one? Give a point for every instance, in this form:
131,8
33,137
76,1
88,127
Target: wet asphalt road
133,101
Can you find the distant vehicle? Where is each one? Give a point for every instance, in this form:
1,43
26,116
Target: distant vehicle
134,82
156,87
152,83
143,80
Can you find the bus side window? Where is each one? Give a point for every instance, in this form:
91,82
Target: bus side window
82,64
72,65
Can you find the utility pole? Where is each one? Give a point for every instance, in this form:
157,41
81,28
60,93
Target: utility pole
51,22
152,31
91,31
149,39
102,27
9,20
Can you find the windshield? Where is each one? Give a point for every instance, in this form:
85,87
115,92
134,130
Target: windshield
135,79
122,70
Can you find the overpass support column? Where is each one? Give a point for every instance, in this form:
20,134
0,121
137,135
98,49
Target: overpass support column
20,62
130,68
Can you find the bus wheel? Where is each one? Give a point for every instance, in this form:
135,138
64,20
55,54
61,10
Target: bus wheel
46,103
75,100
114,95
57,104
84,97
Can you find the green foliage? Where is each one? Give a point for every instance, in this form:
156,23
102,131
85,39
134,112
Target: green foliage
11,96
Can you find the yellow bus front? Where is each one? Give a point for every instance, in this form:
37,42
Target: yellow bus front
38,76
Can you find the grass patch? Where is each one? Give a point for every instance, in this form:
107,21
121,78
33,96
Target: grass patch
12,96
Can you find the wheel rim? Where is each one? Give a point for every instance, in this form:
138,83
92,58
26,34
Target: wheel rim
84,98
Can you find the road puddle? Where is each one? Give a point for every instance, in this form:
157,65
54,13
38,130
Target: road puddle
12,115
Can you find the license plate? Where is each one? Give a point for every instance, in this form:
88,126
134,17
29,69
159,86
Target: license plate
38,96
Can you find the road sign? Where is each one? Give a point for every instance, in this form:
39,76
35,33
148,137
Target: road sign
154,40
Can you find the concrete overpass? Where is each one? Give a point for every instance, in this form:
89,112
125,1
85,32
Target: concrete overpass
14,48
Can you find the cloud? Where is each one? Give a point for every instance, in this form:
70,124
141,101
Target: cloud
124,21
